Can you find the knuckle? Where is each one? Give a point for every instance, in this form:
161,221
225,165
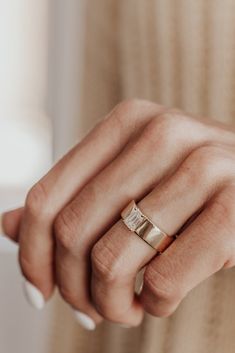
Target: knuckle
130,104
172,120
105,264
165,129
65,232
37,201
220,219
223,209
198,168
204,155
162,289
129,109
210,160
124,111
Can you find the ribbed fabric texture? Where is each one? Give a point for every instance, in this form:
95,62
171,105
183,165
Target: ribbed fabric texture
179,53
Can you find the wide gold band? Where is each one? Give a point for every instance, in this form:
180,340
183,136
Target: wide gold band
140,224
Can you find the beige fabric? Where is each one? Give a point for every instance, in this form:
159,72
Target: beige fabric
180,53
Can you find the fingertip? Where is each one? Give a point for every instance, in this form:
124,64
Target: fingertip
33,295
10,223
84,320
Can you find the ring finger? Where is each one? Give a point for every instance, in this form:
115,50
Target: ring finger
97,207
120,254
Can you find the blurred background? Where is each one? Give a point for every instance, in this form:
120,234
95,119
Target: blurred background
40,72
178,53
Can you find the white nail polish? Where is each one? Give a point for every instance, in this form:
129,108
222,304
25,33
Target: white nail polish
84,320
33,295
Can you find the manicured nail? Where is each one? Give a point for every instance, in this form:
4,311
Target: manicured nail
33,295
84,320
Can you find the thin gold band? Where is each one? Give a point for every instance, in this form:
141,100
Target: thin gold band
140,224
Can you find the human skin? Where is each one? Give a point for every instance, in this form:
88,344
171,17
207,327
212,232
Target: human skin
179,169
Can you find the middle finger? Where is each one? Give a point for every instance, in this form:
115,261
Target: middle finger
130,176
120,254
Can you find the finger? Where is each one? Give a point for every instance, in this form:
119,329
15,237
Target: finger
66,179
201,250
98,205
120,254
11,223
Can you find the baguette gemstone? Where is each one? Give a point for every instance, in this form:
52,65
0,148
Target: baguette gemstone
140,224
134,219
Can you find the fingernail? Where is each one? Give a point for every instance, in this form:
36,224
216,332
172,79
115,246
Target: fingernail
33,295
84,320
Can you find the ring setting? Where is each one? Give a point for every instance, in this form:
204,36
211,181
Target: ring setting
137,222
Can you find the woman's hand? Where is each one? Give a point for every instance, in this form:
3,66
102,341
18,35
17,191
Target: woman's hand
180,170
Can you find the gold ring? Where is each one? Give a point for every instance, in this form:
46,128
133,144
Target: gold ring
140,224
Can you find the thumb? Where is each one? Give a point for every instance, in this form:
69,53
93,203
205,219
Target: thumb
10,223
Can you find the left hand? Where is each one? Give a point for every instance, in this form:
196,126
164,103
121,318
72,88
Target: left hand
179,169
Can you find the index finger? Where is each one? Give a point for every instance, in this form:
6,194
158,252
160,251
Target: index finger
65,180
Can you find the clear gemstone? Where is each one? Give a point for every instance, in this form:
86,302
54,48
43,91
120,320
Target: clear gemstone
134,219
